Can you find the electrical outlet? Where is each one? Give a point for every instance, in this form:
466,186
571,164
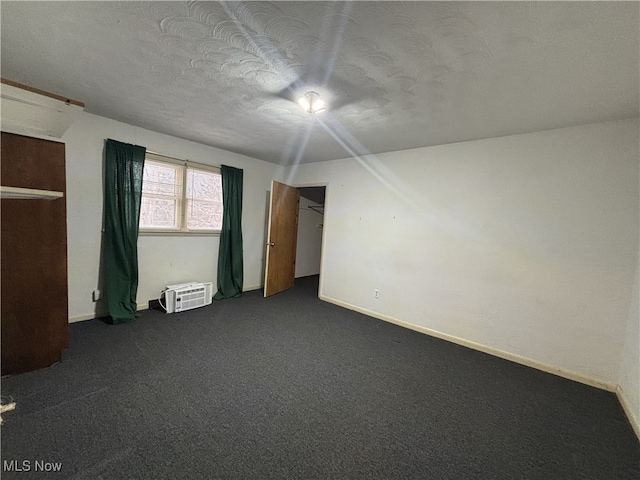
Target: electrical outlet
96,295
376,293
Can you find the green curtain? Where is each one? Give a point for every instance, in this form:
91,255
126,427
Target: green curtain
124,165
230,260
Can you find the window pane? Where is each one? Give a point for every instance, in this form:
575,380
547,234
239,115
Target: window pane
204,215
161,179
158,213
167,188
204,200
204,185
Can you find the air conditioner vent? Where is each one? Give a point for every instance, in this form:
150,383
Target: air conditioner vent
186,296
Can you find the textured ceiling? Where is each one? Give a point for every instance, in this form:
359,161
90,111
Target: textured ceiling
396,75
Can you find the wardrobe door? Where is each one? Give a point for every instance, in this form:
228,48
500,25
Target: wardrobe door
33,244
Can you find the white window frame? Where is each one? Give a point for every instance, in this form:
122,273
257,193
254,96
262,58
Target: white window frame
182,201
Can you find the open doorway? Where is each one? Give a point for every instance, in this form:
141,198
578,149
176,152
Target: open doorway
294,236
310,232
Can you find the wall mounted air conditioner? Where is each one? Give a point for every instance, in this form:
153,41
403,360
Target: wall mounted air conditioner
186,296
29,111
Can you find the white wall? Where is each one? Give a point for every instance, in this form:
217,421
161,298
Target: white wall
629,376
309,242
524,244
162,260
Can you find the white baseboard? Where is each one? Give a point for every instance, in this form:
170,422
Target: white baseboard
628,410
82,318
141,306
91,316
593,382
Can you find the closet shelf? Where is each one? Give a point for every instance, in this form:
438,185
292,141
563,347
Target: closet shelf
28,193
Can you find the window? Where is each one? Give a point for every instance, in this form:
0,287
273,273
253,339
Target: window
180,197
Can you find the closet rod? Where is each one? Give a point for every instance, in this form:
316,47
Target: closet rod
313,207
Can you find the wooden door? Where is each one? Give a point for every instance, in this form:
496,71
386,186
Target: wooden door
280,268
34,311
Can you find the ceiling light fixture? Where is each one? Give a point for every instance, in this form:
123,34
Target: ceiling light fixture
311,102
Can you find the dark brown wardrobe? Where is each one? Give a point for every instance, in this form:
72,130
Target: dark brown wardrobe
33,288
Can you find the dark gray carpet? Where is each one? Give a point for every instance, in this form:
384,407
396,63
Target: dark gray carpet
294,388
